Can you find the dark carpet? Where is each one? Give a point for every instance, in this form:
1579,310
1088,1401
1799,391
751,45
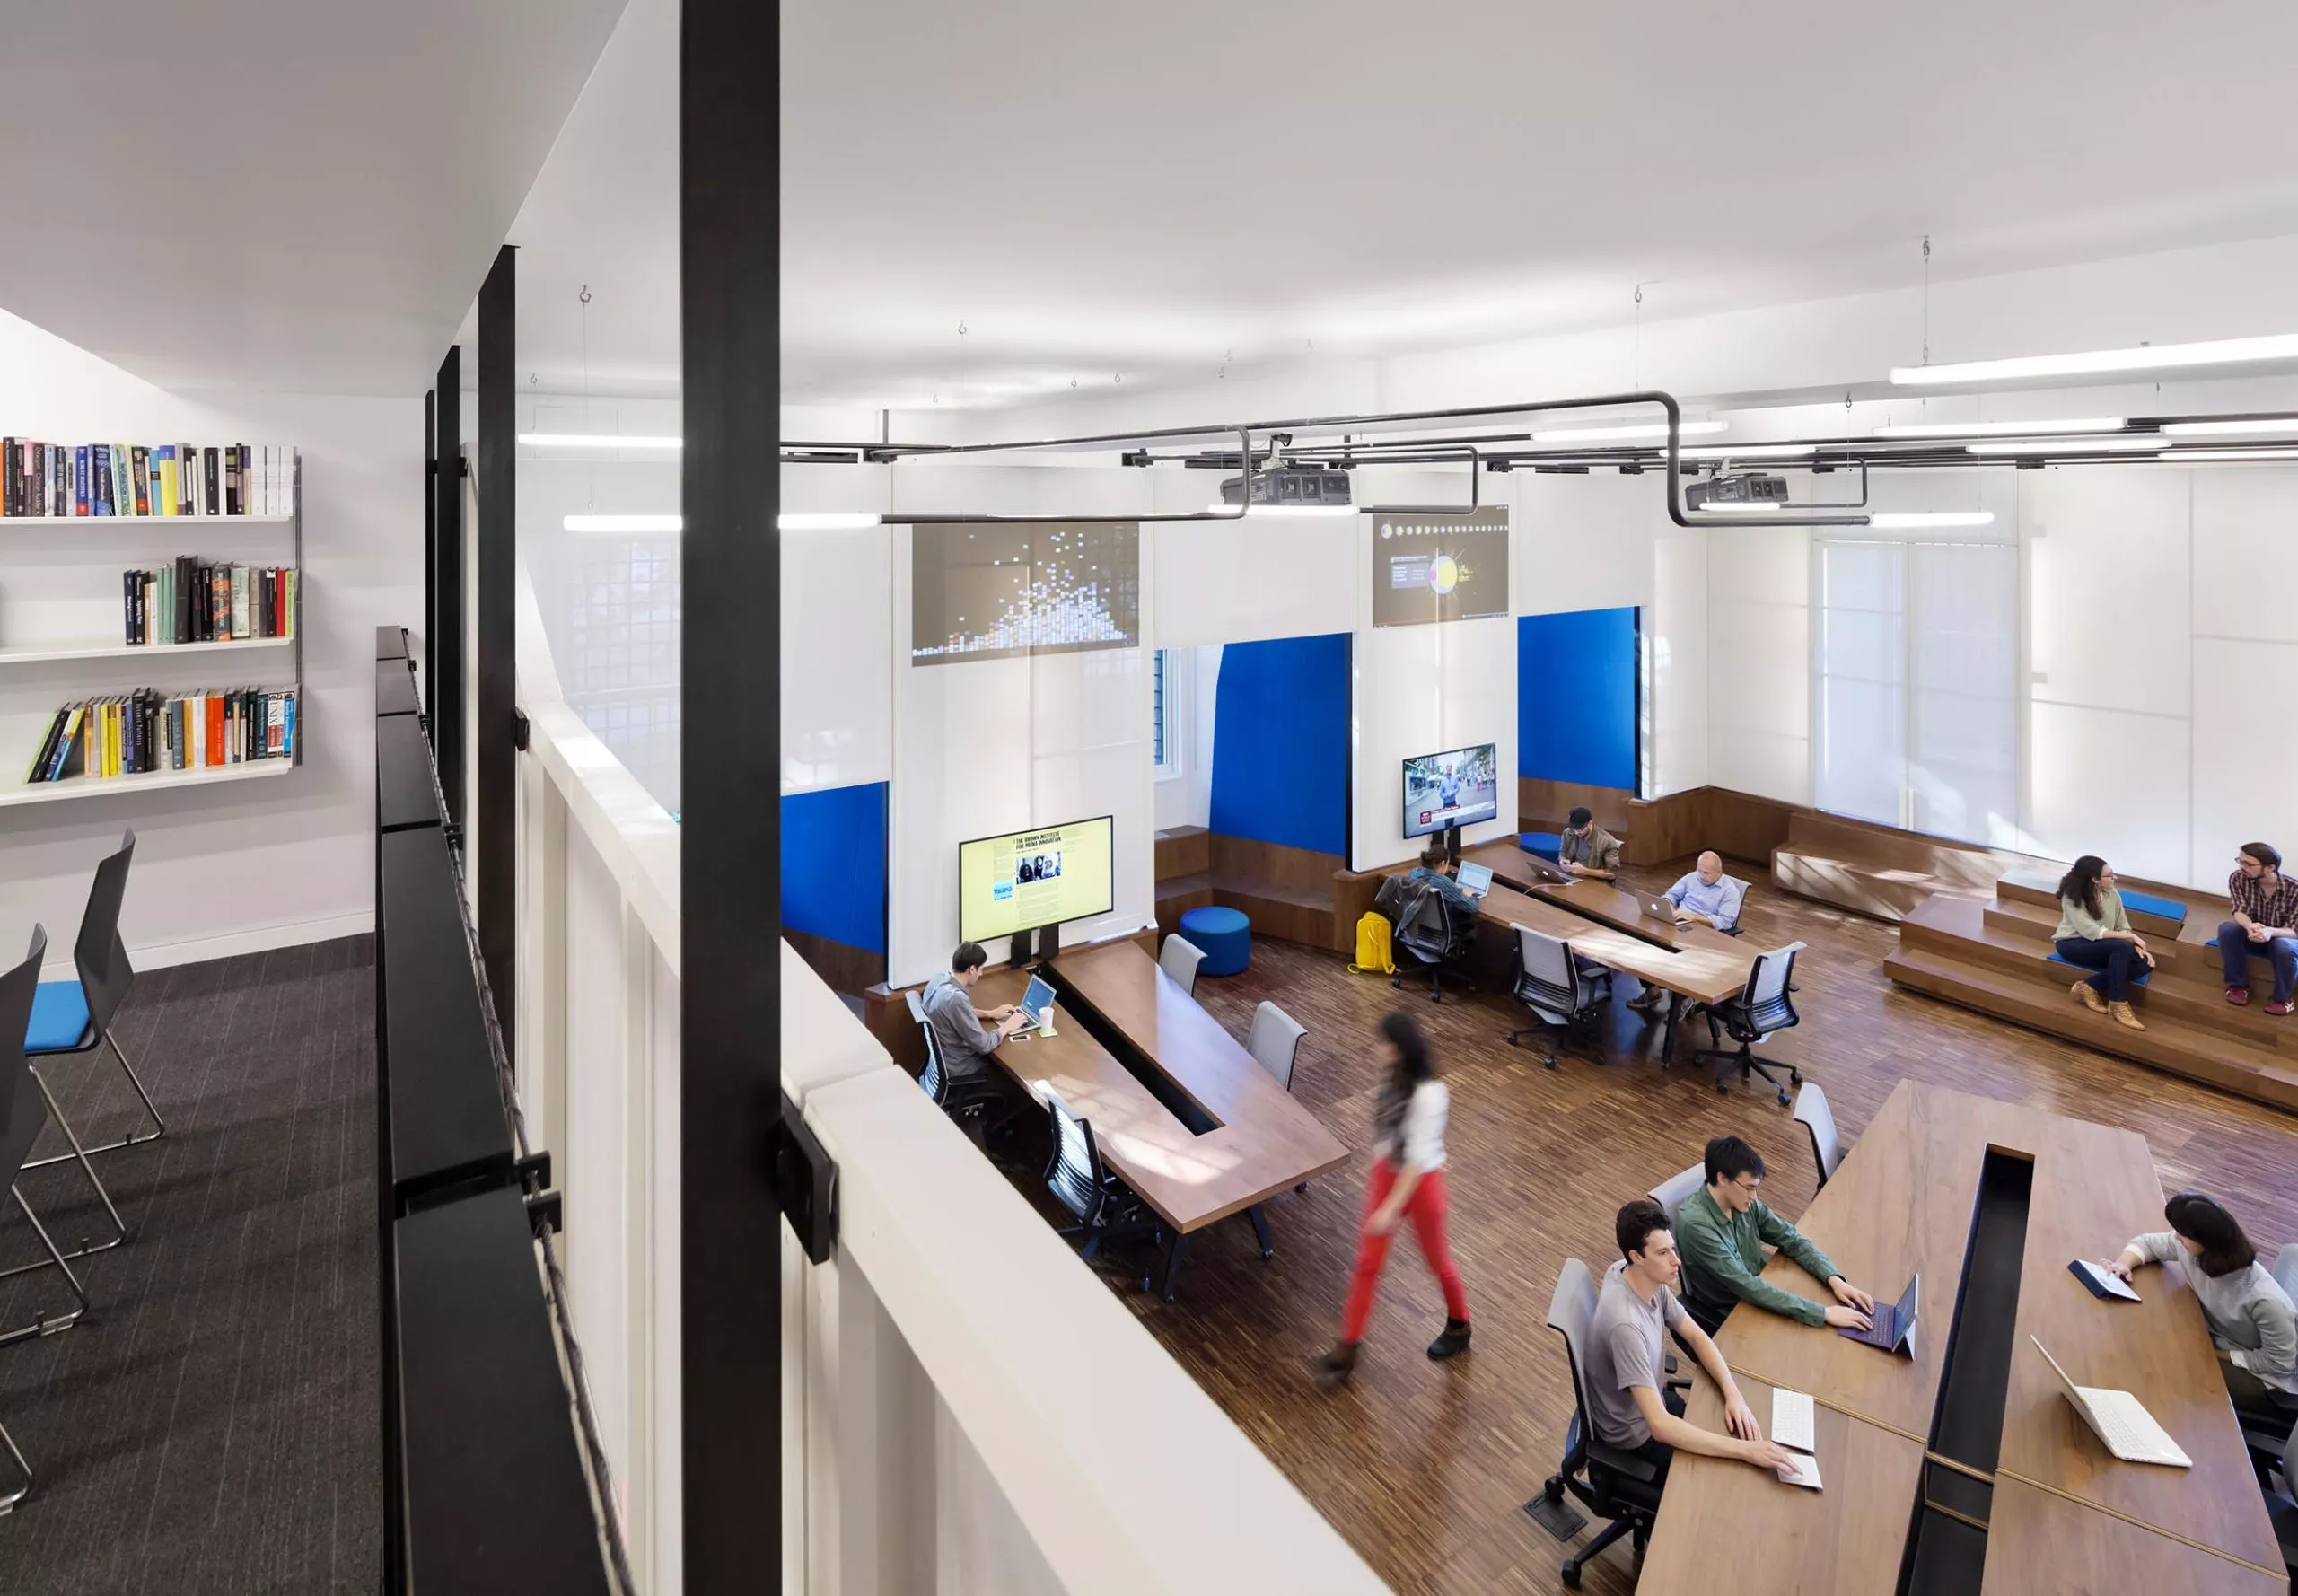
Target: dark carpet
210,1426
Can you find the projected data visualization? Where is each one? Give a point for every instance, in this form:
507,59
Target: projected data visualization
988,593
1439,568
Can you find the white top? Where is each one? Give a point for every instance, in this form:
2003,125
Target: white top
1423,1131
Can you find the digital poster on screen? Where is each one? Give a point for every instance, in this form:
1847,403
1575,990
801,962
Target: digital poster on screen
1439,568
996,593
1048,876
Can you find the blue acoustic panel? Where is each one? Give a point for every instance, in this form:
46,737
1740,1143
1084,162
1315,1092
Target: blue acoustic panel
1575,696
2166,909
1280,744
834,865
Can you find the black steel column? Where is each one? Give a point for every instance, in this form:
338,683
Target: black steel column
730,871
493,733
446,636
430,539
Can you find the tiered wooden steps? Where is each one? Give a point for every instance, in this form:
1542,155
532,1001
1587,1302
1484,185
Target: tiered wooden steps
1994,956
1879,871
1287,892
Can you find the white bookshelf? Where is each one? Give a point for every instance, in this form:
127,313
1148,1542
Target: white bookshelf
59,577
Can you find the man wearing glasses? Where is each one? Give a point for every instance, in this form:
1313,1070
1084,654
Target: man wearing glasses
1722,1232
2266,911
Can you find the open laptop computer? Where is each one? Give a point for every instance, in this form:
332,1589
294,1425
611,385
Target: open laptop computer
1891,1325
1658,908
2120,1420
1541,870
1475,880
1036,1008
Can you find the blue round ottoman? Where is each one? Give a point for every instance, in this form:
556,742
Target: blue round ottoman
1225,934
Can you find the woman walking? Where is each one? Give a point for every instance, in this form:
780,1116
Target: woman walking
1407,1177
2094,933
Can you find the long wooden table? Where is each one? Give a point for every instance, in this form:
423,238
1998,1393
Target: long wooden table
1603,903
1904,1201
1262,1141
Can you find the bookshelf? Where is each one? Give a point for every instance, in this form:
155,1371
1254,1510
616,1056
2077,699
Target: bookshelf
62,634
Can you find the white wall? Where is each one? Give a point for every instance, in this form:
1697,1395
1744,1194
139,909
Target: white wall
243,865
1759,660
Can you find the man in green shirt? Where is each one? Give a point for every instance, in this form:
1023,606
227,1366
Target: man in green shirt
1722,1232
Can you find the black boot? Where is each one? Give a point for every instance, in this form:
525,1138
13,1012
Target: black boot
1334,1368
1453,1342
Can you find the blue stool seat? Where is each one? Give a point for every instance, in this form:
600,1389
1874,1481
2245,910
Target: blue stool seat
2138,972
1226,935
59,1018
1546,843
2165,908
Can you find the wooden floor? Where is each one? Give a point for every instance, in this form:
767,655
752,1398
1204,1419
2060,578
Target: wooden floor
1425,1467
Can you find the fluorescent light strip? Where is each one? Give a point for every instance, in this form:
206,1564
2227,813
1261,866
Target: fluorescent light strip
2230,454
1257,510
2122,442
1748,450
827,521
623,523
1932,518
1978,429
2145,358
1598,435
598,441
2269,424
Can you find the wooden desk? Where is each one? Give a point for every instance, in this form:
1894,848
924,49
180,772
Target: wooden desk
1265,1142
1606,905
2039,1542
1726,1527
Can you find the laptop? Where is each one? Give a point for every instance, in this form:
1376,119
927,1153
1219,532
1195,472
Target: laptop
1891,1325
1036,1008
1541,870
2120,1420
1659,908
1475,879
2102,1282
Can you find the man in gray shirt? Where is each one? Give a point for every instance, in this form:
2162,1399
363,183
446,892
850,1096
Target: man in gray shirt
967,1035
1631,1408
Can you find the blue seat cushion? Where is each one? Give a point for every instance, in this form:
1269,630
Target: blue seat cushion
2164,908
59,1018
1546,843
2138,972
1226,935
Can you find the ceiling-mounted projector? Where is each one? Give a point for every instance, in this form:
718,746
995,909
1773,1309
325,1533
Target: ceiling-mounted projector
1289,485
1752,488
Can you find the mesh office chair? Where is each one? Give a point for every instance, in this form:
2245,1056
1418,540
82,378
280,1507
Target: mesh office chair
1826,1146
1434,934
955,1095
1105,1208
1615,1485
2268,1435
1762,1008
1275,1041
1179,958
23,1115
1561,989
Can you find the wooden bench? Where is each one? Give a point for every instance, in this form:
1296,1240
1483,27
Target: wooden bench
1288,893
1879,871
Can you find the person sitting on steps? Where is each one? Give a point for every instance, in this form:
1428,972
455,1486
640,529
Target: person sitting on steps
2094,933
2266,912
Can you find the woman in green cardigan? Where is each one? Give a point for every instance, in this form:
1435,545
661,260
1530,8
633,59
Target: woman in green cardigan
2094,933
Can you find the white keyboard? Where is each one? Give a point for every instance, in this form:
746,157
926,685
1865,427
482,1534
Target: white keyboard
1792,1420
2130,1431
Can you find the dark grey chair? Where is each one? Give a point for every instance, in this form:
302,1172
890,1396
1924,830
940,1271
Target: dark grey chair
1761,1007
1434,934
1105,1208
1616,1487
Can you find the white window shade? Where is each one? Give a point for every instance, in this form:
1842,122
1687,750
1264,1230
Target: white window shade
1859,714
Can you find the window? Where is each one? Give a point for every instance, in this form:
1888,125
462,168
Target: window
1157,707
1170,675
1914,663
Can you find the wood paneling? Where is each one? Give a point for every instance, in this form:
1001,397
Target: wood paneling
1739,826
1541,804
842,966
1288,893
1183,850
1425,1468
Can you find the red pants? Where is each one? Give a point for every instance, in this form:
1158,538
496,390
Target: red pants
1427,1208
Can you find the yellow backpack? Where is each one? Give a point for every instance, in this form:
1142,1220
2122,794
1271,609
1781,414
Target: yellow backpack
1372,956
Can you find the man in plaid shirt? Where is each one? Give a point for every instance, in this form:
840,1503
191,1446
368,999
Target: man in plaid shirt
2265,925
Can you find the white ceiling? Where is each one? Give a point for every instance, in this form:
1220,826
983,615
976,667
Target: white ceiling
289,195
1094,190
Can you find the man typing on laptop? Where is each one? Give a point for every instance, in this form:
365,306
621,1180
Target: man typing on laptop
1723,1230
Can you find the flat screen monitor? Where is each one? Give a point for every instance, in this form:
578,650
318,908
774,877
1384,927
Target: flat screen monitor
1457,788
1048,876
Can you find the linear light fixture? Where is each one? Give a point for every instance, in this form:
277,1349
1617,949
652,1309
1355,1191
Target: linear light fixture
1258,511
2175,455
2218,429
623,523
1977,429
2146,357
2124,443
1747,451
1603,434
1932,518
598,441
827,521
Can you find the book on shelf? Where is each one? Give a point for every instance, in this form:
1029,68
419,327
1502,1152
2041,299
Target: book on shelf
70,480
192,601
138,733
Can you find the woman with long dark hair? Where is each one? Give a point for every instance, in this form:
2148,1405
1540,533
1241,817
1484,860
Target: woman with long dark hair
2094,933
1407,1177
2251,1322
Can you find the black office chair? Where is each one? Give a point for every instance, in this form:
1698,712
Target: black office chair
1434,934
957,1096
1616,1487
1762,1008
23,1115
1105,1209
1561,989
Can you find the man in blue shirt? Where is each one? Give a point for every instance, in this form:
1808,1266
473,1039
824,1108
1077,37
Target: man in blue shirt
1708,897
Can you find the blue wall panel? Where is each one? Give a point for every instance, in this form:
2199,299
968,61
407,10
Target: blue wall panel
1575,696
1280,744
834,865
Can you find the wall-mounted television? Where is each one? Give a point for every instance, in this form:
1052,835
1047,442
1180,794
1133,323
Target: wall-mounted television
1459,787
1047,875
